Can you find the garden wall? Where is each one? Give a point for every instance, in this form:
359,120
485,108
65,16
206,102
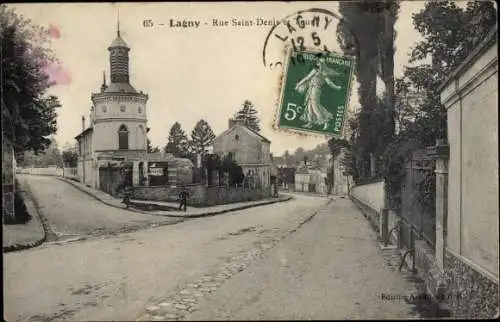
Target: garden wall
201,196
370,198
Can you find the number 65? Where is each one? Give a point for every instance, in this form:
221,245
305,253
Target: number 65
290,112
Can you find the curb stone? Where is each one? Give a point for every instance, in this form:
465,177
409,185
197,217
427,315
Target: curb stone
34,210
184,301
206,214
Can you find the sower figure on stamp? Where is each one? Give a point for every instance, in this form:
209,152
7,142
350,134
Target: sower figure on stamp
314,112
183,196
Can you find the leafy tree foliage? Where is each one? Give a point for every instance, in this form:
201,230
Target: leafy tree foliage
152,149
235,171
178,143
201,136
248,114
368,33
286,157
28,113
50,156
393,130
214,163
450,33
70,158
211,162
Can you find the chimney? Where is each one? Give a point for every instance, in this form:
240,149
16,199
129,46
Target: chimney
234,122
83,123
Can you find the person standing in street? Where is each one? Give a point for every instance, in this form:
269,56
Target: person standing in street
183,196
127,192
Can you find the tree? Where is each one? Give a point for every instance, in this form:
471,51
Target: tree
335,145
359,35
368,32
28,113
386,71
235,172
211,162
152,149
70,158
286,156
201,136
177,141
248,114
449,33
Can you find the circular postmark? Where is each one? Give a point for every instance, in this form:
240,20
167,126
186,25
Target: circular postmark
315,83
313,28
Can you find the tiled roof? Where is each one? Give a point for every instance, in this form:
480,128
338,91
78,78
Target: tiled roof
256,133
87,130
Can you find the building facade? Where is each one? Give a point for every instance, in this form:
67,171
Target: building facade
467,223
249,149
341,181
310,180
116,130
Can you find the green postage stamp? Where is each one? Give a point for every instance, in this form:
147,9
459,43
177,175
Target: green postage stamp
315,92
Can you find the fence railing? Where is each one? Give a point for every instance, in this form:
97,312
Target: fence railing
418,199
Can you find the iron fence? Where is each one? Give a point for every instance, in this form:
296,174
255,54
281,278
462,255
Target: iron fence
418,200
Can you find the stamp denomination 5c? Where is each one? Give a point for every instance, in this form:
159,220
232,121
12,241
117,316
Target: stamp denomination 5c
315,92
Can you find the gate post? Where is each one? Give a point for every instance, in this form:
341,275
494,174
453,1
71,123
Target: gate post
440,152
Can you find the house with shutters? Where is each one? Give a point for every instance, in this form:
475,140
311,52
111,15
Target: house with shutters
249,149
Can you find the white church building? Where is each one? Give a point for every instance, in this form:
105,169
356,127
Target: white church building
116,132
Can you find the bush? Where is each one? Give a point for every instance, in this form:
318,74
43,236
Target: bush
21,215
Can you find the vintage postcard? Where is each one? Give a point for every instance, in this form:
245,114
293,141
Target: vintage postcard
307,160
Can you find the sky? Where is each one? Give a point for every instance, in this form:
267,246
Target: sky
193,73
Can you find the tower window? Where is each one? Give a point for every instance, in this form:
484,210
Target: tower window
237,137
104,108
139,109
122,108
123,138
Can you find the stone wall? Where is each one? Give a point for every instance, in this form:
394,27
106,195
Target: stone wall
470,293
471,99
371,194
52,171
370,198
428,269
371,214
471,258
71,173
201,196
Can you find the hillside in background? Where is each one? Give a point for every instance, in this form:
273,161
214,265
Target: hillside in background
321,151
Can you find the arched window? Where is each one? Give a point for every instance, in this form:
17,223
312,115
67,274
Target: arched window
123,138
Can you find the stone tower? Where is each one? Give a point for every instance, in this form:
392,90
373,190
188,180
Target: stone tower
119,112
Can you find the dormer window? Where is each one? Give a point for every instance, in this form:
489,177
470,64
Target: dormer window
236,137
122,108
